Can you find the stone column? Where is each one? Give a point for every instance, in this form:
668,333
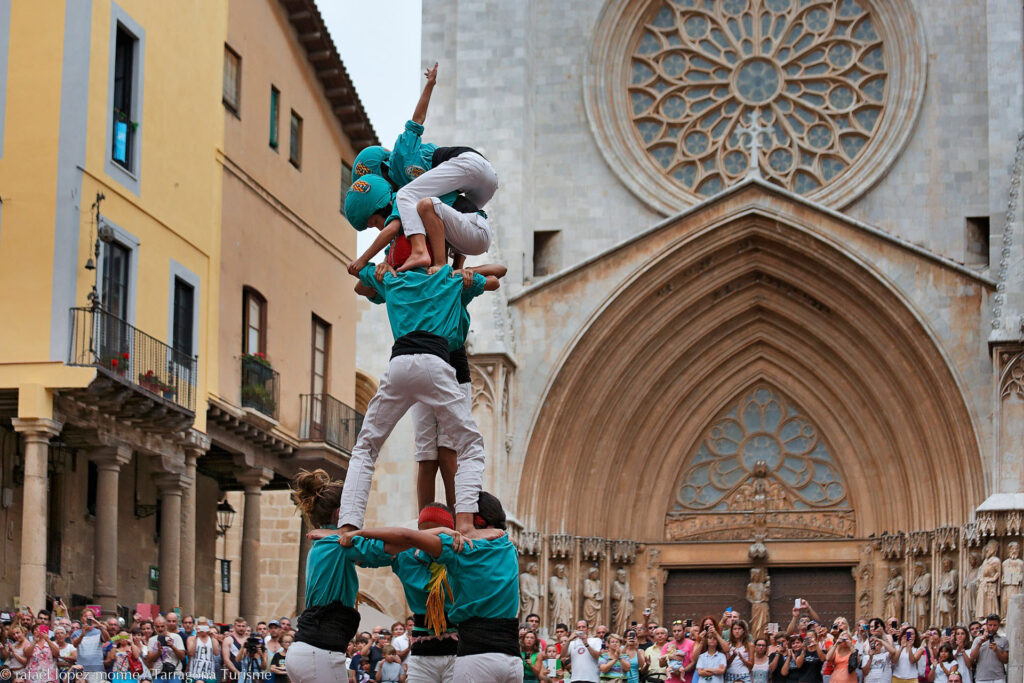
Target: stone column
1015,634
249,597
36,433
172,485
109,460
188,538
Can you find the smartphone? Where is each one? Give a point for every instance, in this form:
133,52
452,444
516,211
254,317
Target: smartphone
688,623
728,610
44,629
894,624
796,604
949,631
865,627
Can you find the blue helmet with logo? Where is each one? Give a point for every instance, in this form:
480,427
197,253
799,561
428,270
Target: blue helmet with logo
368,195
369,161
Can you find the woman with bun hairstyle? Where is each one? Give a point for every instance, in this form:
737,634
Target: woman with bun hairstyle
330,620
484,578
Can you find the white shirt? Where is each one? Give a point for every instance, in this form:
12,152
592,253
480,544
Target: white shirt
166,653
710,661
584,665
400,642
736,666
881,668
904,668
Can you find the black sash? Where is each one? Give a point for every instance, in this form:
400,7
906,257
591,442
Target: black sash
479,636
426,644
328,627
421,342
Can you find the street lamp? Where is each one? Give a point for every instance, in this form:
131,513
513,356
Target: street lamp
225,517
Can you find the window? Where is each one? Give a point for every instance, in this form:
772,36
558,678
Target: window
254,322
122,151
545,252
295,150
232,79
977,241
115,279
275,111
184,310
346,182
321,340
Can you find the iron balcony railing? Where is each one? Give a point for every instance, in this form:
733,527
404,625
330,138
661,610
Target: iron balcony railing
260,385
325,418
102,340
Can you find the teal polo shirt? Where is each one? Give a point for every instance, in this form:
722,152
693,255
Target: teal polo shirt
410,157
484,578
331,569
412,567
425,303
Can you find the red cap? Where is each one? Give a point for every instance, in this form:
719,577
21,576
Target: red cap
436,515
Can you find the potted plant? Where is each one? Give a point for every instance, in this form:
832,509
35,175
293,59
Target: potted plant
118,362
257,358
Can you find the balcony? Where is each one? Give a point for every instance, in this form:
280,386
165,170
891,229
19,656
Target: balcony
260,385
325,418
139,377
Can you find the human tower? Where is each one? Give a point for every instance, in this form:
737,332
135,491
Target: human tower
459,570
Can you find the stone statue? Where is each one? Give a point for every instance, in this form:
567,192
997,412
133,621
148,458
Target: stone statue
920,597
892,607
758,591
945,598
1013,574
988,582
622,601
970,587
560,596
593,596
529,591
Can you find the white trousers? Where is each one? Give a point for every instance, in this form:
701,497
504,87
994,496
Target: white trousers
440,669
408,380
468,173
490,667
307,664
467,233
428,434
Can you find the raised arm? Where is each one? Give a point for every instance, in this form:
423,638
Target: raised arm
396,539
419,115
490,269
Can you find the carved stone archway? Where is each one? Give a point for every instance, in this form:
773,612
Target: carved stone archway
750,297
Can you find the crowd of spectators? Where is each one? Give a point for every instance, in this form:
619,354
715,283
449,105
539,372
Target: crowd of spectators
723,650
45,647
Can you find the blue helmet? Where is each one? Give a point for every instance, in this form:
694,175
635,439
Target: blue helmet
368,195
369,161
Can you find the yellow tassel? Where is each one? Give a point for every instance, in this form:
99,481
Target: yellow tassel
437,589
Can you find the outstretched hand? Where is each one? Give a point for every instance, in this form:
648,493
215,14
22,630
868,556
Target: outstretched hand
356,266
431,74
345,539
317,534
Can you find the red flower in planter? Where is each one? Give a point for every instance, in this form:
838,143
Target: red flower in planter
113,362
125,355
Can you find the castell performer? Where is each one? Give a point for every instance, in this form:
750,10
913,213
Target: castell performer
429,595
484,578
330,620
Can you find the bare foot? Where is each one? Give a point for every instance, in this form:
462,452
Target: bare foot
433,269
417,259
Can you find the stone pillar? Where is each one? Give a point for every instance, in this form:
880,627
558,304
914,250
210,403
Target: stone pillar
188,538
36,433
300,588
172,486
109,460
1015,634
249,597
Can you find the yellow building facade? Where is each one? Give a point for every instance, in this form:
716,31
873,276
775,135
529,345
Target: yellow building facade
125,175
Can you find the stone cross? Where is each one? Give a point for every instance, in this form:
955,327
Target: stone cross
754,129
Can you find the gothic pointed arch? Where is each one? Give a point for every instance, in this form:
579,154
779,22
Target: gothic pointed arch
736,298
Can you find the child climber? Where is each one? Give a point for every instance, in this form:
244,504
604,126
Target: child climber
427,176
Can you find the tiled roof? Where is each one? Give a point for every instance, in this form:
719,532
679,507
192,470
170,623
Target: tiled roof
323,55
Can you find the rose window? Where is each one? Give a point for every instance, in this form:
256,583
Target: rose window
823,84
762,435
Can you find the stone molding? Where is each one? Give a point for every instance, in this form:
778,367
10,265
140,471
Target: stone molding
36,428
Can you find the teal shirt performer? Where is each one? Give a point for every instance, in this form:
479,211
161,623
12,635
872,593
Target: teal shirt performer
485,578
410,157
331,569
418,302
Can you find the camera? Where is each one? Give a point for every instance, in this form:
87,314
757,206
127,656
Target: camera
992,638
253,644
688,623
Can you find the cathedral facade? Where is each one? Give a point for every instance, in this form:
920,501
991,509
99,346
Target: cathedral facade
762,336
